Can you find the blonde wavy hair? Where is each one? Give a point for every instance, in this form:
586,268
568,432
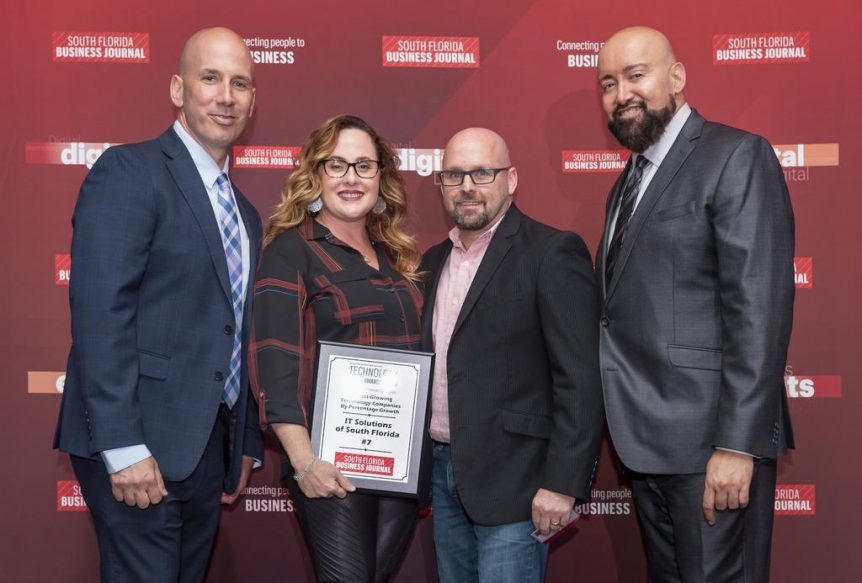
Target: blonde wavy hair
303,186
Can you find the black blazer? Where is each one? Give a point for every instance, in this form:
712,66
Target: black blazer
696,320
152,319
525,404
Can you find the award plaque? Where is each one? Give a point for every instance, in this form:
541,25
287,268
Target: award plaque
369,414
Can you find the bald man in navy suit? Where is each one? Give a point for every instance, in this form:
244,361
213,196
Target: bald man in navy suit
156,412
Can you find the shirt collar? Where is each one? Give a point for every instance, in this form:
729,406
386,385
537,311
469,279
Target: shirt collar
455,234
657,152
206,166
310,229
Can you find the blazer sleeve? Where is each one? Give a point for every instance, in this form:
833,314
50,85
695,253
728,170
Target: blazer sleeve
280,359
753,225
113,225
568,314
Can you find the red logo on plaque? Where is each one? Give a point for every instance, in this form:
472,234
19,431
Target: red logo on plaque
807,387
795,499
364,464
454,52
101,47
62,268
761,47
265,156
69,497
584,161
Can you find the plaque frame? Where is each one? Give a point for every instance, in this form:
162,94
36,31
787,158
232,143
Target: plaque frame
328,414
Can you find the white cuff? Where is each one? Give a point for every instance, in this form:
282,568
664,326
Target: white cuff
121,458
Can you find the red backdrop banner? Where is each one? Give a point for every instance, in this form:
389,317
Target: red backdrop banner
88,75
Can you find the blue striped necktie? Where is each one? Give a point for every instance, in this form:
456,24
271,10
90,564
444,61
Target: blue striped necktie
230,237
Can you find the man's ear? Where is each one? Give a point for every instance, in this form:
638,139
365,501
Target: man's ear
177,90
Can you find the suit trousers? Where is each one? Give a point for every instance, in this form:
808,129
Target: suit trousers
681,547
360,538
168,541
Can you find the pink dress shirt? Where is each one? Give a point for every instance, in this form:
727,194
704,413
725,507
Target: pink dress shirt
456,277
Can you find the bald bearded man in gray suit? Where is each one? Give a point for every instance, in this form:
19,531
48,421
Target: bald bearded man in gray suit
696,272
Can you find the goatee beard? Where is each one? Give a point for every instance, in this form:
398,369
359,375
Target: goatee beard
639,134
474,223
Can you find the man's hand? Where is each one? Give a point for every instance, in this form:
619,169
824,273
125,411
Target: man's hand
245,472
728,476
139,484
551,510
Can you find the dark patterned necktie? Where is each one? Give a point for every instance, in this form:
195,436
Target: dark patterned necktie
627,205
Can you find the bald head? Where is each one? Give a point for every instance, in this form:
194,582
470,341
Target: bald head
480,143
208,38
214,90
480,159
647,42
642,85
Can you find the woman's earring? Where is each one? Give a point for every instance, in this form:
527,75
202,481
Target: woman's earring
379,206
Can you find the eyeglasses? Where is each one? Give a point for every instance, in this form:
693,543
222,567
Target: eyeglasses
338,168
478,176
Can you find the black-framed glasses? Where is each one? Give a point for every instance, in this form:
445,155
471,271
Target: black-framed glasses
477,176
338,168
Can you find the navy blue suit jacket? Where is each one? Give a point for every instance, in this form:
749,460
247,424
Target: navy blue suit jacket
152,322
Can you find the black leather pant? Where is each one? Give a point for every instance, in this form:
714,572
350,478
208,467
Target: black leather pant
360,538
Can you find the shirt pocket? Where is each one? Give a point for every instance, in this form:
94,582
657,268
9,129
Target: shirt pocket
348,297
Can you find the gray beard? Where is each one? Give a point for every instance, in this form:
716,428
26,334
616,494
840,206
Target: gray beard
476,223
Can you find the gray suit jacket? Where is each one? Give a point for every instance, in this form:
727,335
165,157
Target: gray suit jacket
696,320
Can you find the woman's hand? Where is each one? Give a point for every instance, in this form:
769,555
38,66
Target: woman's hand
323,480
316,478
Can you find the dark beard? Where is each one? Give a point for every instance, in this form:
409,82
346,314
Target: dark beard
639,134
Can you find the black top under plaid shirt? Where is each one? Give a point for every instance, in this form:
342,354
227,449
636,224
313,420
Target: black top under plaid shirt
310,286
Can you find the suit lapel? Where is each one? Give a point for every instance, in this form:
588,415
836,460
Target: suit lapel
252,229
497,250
676,157
182,168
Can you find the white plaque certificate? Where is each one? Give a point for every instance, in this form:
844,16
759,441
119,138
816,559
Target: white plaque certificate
370,407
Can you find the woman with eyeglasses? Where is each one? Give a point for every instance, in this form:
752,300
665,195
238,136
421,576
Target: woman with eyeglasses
336,266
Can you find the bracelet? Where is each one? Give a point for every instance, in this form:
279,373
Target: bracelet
298,476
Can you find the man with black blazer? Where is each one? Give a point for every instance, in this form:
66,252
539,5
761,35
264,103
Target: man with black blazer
696,268
156,412
511,310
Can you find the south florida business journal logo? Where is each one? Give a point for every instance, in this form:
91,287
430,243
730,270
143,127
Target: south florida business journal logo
69,497
761,48
100,47
436,52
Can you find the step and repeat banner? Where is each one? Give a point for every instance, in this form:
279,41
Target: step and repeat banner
88,75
